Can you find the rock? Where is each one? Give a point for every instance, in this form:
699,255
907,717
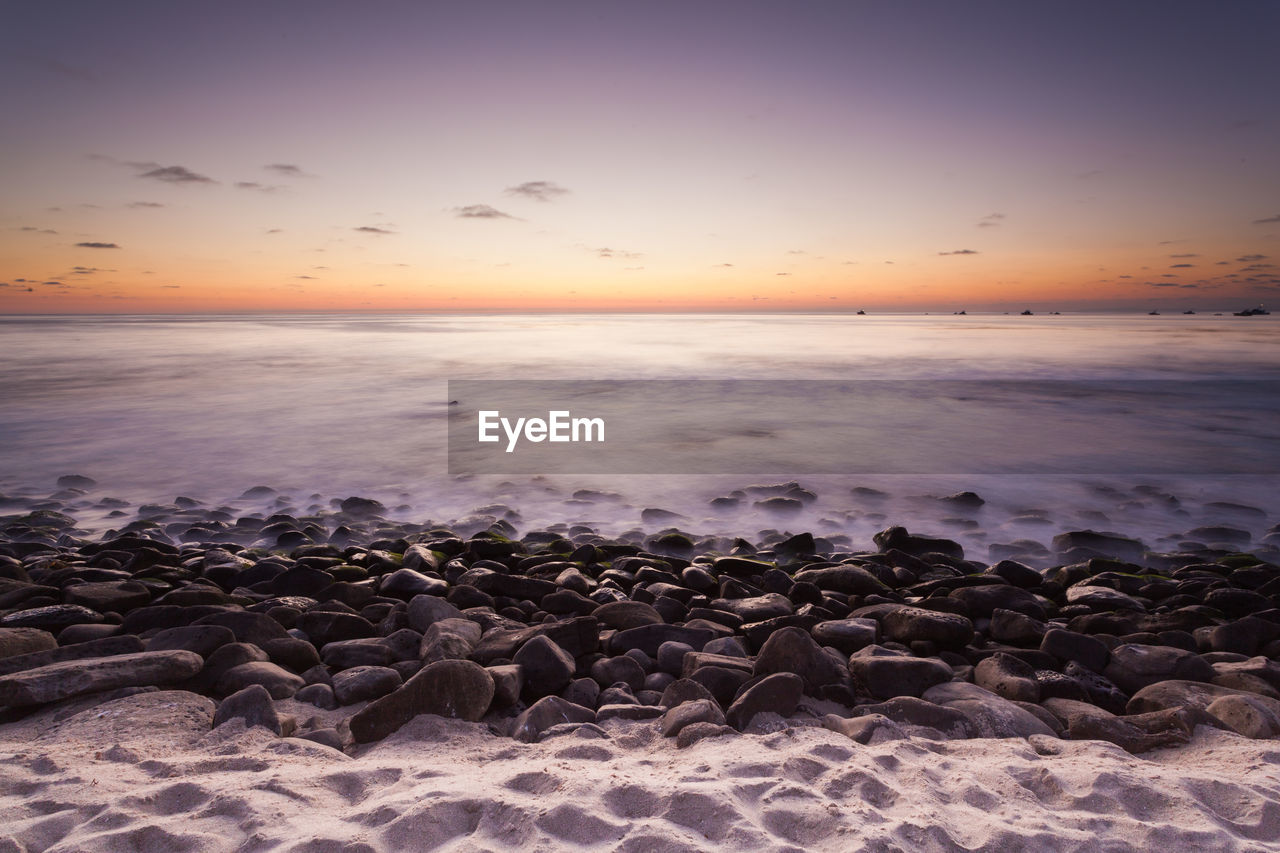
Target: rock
279,682
59,681
756,608
253,705
885,674
1099,544
320,695
847,635
670,657
898,538
508,682
449,688
1102,598
248,627
983,600
793,650
578,636
104,647
1100,690
687,713
865,729
989,714
1252,716
21,641
684,690
626,614
695,732
1065,645
1133,666
1018,629
851,580
292,654
648,638
582,691
1018,574
910,624
609,671
201,639
416,559
547,668
1178,694
348,653
425,610
1007,677
627,711
911,710
364,683
108,596
545,713
447,639
52,618
326,626
778,693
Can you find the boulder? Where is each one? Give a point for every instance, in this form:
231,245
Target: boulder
778,693
448,688
885,674
59,681
793,650
253,705
545,713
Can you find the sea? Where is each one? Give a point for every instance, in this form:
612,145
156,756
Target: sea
1150,426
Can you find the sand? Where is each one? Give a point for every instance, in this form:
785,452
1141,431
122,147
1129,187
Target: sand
146,773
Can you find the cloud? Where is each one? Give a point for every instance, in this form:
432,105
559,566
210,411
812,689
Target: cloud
1268,221
287,169
724,265
606,252
538,190
480,211
275,230
97,246
306,277
174,174
991,220
36,230
254,185
1180,266
1186,255
369,229
171,286
144,204
1162,284
960,252
1244,259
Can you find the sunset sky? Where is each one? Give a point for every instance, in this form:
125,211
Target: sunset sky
551,156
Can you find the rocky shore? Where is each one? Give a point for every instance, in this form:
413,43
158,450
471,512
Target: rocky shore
341,628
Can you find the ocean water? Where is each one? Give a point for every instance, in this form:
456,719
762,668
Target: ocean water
320,407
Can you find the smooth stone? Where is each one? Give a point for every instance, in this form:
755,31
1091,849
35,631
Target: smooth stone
204,640
793,650
648,638
627,711
345,654
58,681
887,674
425,610
108,596
622,615
695,732
909,624
864,729
293,654
609,671
990,715
320,695
449,688
1252,716
778,693
1164,695
22,641
980,601
449,639
251,704
1007,677
279,682
326,626
1008,626
547,667
547,712
1089,652
248,627
911,710
847,635
1133,666
851,580
105,647
364,683
687,713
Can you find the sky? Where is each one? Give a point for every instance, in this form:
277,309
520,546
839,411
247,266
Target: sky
161,157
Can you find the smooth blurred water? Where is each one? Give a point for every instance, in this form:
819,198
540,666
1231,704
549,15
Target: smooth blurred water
154,407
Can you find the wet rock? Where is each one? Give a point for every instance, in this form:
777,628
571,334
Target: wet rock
1008,626
547,667
108,596
626,614
425,610
406,583
1065,645
847,635
898,538
1099,544
850,580
1133,666
52,618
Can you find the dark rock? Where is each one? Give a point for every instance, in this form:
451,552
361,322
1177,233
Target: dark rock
847,635
910,624
105,647
201,639
648,638
363,683
253,705
296,655
52,618
1018,629
448,688
627,711
1065,645
22,641
582,691
886,674
320,695
864,729
1007,677
547,667
911,710
248,627
108,596
916,546
345,654
756,608
579,636
608,671
58,681
1102,692
1252,716
545,713
722,683
279,682
778,693
685,690
449,639
626,614
989,714
850,580
1174,693
687,713
983,600
325,626
1134,666
694,732
793,650
424,610
1099,544
508,682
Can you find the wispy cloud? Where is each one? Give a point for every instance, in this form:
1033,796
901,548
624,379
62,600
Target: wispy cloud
254,185
538,190
607,252
175,175
1248,259
35,230
97,246
1185,255
1180,266
1268,221
288,170
480,211
144,204
370,229
960,252
991,220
